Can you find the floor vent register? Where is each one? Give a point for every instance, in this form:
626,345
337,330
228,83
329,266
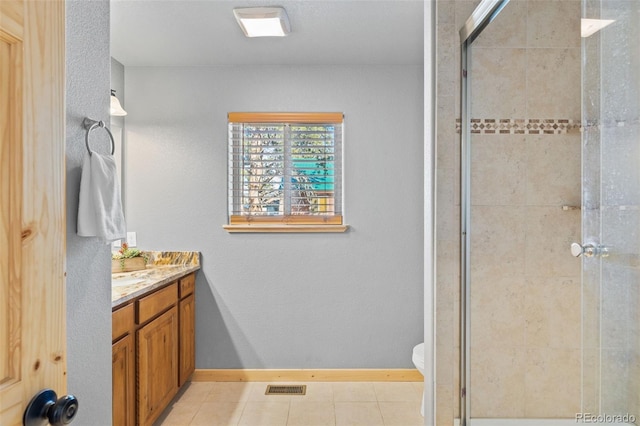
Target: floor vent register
286,390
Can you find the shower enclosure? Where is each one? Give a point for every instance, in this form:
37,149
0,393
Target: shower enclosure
550,213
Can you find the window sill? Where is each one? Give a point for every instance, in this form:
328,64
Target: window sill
272,228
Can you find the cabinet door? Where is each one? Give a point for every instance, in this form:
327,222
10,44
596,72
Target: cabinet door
157,365
187,337
123,382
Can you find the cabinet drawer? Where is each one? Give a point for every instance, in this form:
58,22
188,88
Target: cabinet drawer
121,322
156,303
187,285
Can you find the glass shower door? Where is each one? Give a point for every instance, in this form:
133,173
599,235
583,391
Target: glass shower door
610,247
521,188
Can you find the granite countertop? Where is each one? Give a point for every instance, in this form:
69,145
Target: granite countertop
162,268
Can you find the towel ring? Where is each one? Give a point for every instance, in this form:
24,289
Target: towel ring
90,124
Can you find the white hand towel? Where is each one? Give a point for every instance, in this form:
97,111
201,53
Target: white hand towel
100,205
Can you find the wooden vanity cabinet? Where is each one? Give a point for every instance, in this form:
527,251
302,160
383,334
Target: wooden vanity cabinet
153,351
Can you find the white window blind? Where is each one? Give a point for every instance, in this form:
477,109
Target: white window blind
285,168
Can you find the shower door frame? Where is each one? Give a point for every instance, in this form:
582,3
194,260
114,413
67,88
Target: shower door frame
482,16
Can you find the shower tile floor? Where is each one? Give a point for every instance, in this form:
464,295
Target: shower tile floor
325,403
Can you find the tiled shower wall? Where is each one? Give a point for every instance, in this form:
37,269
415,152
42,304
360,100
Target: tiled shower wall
525,348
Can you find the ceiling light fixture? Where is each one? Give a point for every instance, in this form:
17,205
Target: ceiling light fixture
116,109
263,21
589,27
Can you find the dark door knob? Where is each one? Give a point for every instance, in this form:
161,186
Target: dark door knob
45,408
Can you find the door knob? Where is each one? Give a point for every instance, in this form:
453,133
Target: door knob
45,408
588,250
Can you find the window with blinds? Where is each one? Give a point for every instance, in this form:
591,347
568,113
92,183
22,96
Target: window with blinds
285,169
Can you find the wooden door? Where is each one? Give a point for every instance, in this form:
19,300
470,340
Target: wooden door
32,203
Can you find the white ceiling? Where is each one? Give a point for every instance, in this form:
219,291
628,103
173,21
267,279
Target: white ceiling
204,32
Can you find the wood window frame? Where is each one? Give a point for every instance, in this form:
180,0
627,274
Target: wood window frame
285,223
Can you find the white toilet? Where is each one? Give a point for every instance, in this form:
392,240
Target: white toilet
418,361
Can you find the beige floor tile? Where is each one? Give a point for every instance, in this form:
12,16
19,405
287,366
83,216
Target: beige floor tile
180,414
401,413
196,392
334,404
229,391
396,392
317,392
311,413
257,413
353,391
218,414
358,414
419,386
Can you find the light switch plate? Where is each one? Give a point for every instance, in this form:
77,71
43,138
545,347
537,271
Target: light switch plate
132,239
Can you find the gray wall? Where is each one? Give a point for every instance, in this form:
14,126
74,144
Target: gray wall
88,261
352,300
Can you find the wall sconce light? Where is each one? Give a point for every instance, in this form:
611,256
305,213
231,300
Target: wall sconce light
116,108
263,21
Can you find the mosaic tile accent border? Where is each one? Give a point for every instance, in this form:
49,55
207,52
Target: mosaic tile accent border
521,126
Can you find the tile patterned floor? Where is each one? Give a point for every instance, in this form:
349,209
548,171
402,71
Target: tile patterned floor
330,404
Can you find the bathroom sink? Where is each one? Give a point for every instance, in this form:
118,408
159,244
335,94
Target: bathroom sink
120,282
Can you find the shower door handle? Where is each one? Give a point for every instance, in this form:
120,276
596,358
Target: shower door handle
589,250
